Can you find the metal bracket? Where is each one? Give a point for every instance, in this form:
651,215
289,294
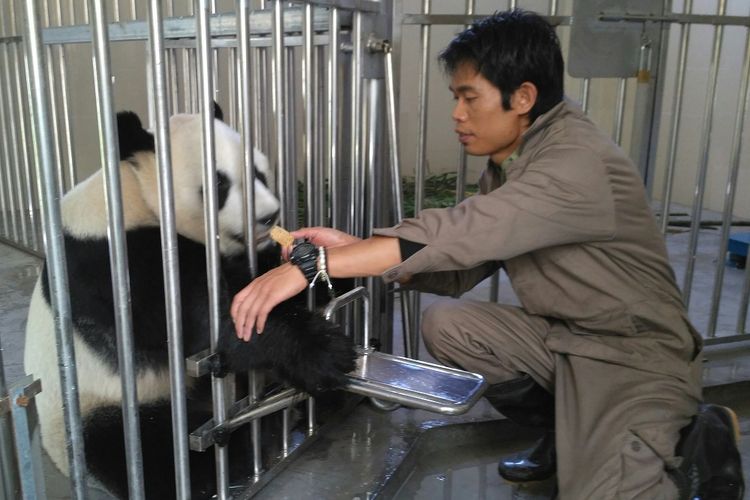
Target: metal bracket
27,436
601,48
200,363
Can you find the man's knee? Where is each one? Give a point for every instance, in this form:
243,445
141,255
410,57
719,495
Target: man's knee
439,324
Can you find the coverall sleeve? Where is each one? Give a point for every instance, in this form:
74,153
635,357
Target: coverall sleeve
563,196
451,283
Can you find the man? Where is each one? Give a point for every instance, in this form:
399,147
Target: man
601,355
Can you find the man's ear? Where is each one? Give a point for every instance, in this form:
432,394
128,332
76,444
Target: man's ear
524,98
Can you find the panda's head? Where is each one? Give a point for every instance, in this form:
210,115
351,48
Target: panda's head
137,148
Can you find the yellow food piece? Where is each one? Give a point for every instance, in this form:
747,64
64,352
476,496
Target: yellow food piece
281,236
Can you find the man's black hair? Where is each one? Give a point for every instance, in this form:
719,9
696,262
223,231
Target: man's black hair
509,48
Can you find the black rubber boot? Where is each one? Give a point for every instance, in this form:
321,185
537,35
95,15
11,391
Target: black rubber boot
527,403
534,464
711,467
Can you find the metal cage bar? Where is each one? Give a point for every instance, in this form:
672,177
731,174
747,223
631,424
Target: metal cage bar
700,182
55,249
170,255
110,160
211,226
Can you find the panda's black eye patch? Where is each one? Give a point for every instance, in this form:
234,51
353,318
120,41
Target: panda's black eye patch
223,184
261,176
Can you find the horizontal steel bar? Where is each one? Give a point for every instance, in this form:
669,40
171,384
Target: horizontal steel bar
184,27
259,41
729,339
678,18
27,392
463,19
362,5
242,411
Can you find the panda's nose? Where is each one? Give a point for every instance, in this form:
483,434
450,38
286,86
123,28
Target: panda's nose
269,220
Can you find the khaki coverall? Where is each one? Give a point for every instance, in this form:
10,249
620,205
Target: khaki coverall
602,324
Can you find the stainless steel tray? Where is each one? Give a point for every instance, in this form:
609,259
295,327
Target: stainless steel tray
416,384
406,381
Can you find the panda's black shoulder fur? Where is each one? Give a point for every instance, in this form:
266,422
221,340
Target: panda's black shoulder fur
132,136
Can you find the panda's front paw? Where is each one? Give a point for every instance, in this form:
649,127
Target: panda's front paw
303,348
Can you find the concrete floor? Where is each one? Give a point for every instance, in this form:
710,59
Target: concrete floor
412,453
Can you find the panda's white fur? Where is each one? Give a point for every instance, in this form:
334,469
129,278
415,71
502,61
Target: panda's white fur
84,216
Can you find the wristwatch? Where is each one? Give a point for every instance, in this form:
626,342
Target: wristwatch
305,256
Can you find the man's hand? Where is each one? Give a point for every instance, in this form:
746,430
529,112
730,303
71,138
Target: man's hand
251,306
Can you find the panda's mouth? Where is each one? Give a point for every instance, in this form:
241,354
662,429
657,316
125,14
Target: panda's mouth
260,238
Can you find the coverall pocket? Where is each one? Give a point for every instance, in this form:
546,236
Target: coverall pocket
642,471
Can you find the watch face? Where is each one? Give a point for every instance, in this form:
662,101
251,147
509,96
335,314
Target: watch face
302,250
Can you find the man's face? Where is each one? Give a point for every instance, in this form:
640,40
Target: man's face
482,125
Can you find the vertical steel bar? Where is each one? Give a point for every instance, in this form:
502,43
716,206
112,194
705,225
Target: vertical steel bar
308,114
110,159
62,68
700,184
231,87
55,249
312,195
421,165
255,380
7,195
395,171
332,110
279,113
585,88
194,84
374,145
319,131
744,302
290,135
15,167
16,190
743,104
56,132
187,89
553,8
462,157
620,114
212,228
247,122
8,473
28,442
72,13
174,90
262,85
352,227
170,255
34,189
674,135
248,132
64,94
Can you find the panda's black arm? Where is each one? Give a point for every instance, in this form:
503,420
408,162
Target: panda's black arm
304,349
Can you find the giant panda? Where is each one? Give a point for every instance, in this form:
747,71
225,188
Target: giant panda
298,346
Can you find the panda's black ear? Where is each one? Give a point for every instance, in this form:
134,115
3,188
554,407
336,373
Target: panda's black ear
218,113
132,136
